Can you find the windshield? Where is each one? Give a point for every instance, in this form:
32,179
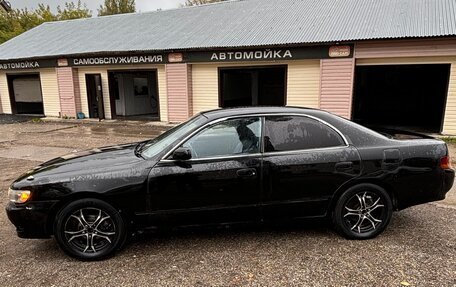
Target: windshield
158,144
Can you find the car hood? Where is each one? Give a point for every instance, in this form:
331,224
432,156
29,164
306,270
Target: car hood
109,162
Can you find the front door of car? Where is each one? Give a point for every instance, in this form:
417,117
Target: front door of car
305,161
221,183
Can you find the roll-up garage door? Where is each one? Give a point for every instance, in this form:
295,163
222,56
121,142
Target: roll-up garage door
25,93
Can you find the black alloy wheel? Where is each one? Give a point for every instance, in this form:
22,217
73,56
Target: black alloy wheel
89,229
362,212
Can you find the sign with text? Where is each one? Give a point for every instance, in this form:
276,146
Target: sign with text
339,51
273,54
24,65
247,55
175,57
119,60
62,62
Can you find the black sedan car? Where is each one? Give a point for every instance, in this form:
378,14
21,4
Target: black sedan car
225,167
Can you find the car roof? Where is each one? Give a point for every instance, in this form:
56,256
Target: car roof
229,112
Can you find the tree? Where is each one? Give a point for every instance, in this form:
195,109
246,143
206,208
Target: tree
200,2
73,11
18,21
112,7
43,13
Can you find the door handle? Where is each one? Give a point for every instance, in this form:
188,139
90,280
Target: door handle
343,166
246,172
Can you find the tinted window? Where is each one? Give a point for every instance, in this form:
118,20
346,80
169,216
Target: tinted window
231,137
288,133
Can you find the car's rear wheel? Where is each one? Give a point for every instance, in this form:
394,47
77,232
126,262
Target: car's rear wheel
362,212
89,229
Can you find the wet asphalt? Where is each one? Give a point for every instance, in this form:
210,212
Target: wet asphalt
11,119
417,249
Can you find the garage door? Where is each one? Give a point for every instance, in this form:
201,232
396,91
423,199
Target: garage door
252,86
410,97
25,94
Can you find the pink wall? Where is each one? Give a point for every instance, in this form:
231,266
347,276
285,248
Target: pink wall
179,92
405,48
336,86
66,83
77,91
190,90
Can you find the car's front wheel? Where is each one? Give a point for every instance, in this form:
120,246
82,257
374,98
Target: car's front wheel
362,212
89,229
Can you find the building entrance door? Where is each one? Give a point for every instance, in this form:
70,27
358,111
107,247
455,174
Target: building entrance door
95,96
134,94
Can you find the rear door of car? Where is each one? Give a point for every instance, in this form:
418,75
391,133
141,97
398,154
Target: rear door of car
305,162
220,184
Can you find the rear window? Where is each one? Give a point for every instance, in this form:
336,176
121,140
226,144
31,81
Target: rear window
290,133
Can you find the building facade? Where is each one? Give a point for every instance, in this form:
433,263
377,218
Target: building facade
408,83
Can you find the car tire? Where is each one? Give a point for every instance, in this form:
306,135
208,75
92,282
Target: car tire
362,212
90,229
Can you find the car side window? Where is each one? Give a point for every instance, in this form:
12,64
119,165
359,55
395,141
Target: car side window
289,133
227,138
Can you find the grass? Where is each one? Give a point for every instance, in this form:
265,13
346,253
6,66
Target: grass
36,120
447,139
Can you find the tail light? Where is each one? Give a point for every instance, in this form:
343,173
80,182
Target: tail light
445,162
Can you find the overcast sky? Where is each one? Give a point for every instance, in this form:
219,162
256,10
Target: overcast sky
141,5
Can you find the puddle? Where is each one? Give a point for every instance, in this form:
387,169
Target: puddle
39,128
117,131
36,153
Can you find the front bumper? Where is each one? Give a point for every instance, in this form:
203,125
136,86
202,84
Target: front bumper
31,219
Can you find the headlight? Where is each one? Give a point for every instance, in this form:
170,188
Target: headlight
18,196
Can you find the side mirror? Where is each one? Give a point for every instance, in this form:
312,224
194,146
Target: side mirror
182,153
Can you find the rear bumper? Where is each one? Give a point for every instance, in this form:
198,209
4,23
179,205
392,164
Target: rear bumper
31,220
434,191
448,180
